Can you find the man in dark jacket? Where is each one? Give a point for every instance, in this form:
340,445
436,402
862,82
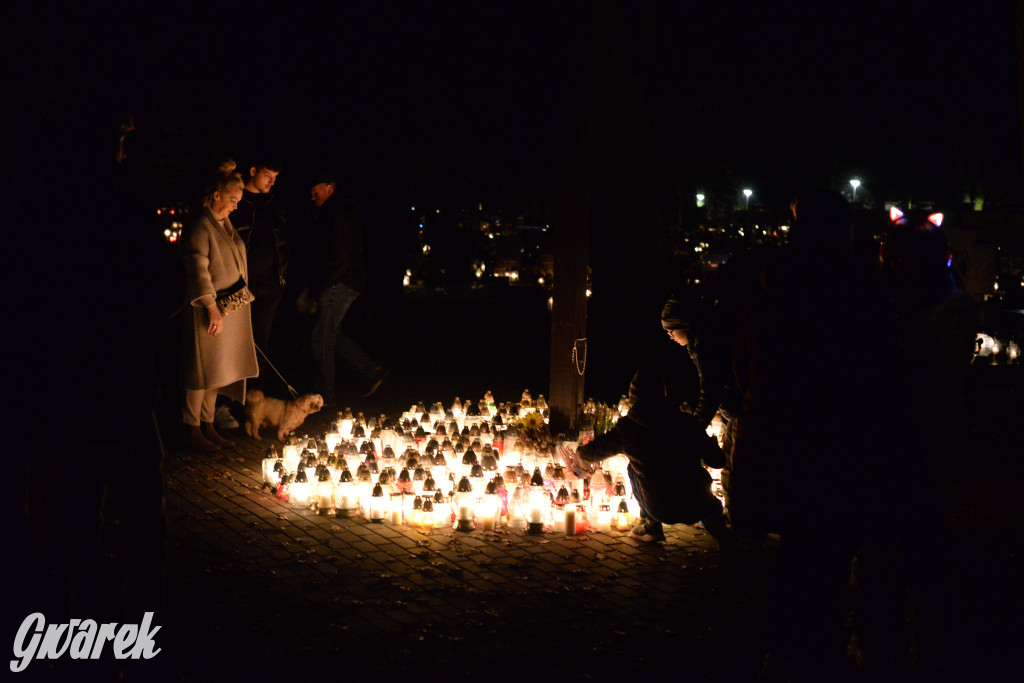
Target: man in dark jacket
336,282
260,222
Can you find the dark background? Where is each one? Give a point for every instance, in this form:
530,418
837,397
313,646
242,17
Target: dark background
460,104
461,101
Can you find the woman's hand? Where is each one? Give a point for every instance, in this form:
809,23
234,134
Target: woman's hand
216,320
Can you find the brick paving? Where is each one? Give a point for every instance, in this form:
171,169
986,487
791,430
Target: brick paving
262,586
257,587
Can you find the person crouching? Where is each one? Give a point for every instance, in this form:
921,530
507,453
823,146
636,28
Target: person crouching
665,448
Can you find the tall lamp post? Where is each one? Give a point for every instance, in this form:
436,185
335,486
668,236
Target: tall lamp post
854,183
746,198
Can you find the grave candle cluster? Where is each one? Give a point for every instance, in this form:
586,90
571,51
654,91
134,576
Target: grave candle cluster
471,466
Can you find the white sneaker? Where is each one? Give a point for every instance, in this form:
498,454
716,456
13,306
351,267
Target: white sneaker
222,419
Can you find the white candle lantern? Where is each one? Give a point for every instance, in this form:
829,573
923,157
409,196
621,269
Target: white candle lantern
404,483
468,460
489,461
489,507
622,516
345,494
308,465
359,435
291,454
419,478
371,463
558,514
364,488
428,513
324,491
439,468
476,478
407,501
332,439
519,509
376,441
345,424
604,518
377,503
299,492
388,438
463,502
395,508
416,518
270,459
540,504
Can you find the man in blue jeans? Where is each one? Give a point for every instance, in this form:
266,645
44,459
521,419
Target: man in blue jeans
336,283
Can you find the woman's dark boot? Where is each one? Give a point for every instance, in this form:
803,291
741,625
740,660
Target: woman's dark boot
197,442
210,433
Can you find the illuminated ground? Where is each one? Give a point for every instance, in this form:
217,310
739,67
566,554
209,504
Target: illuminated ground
257,587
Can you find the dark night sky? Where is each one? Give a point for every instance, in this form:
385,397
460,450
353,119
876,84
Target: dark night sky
466,100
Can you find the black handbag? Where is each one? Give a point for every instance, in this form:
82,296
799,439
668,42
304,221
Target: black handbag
231,298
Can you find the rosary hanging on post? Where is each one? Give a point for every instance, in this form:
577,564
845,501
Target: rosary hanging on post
581,365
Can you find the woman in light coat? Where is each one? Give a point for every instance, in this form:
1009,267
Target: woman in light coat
219,350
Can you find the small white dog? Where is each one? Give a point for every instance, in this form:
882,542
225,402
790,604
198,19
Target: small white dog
262,410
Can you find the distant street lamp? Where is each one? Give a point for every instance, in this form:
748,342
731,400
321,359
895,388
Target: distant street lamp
854,183
746,198
700,200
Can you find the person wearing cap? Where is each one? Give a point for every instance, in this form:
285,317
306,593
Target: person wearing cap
691,325
665,448
338,276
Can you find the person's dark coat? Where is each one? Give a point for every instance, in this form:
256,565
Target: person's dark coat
665,448
338,246
260,222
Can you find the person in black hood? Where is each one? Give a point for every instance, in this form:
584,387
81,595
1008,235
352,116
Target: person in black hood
665,448
336,282
260,221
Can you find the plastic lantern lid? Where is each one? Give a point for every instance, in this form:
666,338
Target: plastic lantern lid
537,479
464,486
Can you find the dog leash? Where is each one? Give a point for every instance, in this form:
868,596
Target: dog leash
295,394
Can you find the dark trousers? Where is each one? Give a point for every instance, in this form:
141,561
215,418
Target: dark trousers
268,294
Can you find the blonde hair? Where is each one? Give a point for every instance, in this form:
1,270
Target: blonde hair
224,179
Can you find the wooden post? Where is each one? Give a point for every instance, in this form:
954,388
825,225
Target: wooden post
572,239
569,307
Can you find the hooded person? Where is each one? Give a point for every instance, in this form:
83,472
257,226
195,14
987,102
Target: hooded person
665,449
